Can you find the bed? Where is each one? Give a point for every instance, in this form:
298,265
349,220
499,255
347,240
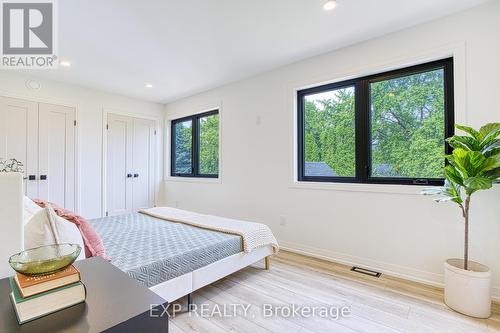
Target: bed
173,259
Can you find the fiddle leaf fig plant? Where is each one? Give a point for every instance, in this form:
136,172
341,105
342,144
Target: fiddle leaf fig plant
474,165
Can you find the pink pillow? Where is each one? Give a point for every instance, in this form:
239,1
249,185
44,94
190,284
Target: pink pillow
94,247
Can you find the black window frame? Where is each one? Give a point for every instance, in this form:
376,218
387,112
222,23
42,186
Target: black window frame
363,126
195,147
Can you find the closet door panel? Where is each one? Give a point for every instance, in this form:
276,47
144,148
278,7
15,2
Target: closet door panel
143,163
19,136
57,155
119,165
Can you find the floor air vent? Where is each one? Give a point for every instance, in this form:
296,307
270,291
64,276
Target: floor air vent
365,271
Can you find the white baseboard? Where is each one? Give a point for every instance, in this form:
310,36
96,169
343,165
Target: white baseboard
403,272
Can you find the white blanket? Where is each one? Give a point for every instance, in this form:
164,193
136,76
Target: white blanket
254,235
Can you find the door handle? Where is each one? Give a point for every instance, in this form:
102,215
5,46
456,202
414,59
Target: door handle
136,175
43,177
31,177
129,175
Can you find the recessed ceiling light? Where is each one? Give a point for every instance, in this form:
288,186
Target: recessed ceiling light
33,85
65,63
330,5
149,85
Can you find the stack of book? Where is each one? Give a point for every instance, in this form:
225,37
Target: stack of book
37,296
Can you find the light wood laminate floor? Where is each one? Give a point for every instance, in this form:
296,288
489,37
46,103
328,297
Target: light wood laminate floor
384,304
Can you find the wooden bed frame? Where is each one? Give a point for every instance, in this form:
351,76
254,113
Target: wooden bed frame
12,241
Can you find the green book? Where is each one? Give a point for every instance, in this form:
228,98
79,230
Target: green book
39,305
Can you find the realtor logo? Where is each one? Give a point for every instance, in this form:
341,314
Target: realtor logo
28,34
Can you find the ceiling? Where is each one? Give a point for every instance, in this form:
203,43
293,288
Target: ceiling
183,47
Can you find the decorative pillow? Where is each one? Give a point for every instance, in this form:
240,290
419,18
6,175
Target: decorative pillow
30,209
46,228
94,247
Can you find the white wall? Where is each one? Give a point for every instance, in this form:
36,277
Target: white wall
393,229
90,105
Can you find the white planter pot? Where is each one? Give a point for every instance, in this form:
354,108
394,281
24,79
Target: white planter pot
468,292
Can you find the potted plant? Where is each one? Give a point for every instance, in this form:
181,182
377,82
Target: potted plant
474,165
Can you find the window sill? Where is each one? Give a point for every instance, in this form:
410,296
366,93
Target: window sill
350,187
171,179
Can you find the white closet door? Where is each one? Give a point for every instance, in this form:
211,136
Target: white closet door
19,137
143,163
119,173
57,154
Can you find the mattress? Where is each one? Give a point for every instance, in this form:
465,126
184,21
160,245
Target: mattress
153,251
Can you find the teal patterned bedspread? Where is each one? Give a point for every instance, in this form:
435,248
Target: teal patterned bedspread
152,250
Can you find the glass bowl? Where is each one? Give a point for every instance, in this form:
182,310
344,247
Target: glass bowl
45,259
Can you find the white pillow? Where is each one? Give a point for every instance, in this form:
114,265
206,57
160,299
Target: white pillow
46,228
30,209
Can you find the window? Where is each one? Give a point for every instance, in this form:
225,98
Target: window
387,128
195,146
183,143
329,133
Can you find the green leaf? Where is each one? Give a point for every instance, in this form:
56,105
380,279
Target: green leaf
465,142
453,190
489,130
455,144
432,190
456,159
453,175
494,174
459,153
474,162
449,192
475,134
494,145
491,163
478,183
446,199
468,163
487,142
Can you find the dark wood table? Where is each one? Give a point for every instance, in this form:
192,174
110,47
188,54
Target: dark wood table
115,303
